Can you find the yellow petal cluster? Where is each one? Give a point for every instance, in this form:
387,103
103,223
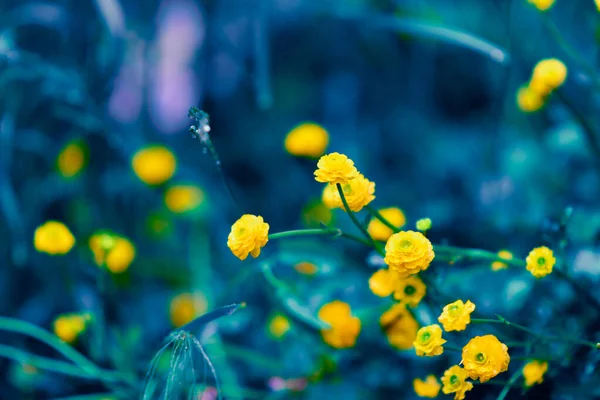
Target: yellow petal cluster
408,252
331,196
597,4
279,326
534,371
248,235
548,75
114,252
307,140
345,328
68,327
424,224
542,5
358,193
528,100
180,199
540,261
186,307
456,316
383,282
154,164
380,231
399,326
71,159
430,387
53,238
429,341
484,357
505,255
335,168
410,290
455,381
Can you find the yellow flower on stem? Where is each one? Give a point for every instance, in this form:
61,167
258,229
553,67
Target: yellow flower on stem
279,326
383,282
114,252
344,329
484,357
53,238
429,341
71,159
180,199
408,252
540,261
248,235
68,327
529,100
307,140
331,197
399,326
410,290
456,316
358,193
548,75
542,5
455,381
505,255
380,231
154,164
534,371
430,387
335,168
424,224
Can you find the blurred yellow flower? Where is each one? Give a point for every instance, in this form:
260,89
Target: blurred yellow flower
68,327
358,193
335,168
456,316
430,387
429,341
154,164
306,268
399,326
183,198
331,197
378,230
542,5
71,159
484,357
345,328
410,290
534,371
424,224
408,252
114,252
540,261
307,140
528,100
248,235
279,326
54,238
597,4
315,213
383,282
505,255
455,381
548,75
186,307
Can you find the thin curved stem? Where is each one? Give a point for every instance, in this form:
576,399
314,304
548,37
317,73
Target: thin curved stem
305,232
381,218
478,255
511,381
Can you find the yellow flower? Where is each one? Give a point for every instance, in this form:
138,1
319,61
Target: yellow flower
308,140
378,230
331,197
410,290
68,327
540,261
429,341
548,75
383,282
279,325
71,159
408,252
505,255
154,164
430,387
306,268
183,198
456,316
424,224
344,327
54,238
316,213
598,4
484,357
186,307
335,168
528,100
399,326
455,381
358,193
542,5
534,371
114,252
248,235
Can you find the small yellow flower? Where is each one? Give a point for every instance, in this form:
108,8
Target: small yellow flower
484,357
430,387
54,238
358,193
383,282
542,5
548,75
71,159
114,252
399,326
408,252
455,381
378,230
540,261
331,197
335,168
307,140
183,198
534,371
345,328
68,327
429,341
248,235
505,255
154,164
597,4
279,326
410,290
306,268
424,224
186,307
528,100
456,316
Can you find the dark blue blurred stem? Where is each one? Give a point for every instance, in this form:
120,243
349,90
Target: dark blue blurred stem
511,382
98,347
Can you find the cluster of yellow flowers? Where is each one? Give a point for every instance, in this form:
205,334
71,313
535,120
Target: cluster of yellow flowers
68,327
548,75
112,251
408,290
399,326
344,327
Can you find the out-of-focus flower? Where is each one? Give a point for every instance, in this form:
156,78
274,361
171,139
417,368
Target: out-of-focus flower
331,197
278,384
534,371
430,387
185,307
408,252
306,268
335,168
279,326
410,290
548,75
429,341
358,193
307,140
424,224
505,255
542,5
484,357
540,261
154,164
597,4
183,198
68,327
528,100
71,159
114,252
54,238
455,381
456,316
380,231
248,235
345,328
399,326
383,282
316,213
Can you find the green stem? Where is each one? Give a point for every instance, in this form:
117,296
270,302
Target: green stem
478,254
380,217
578,288
511,381
305,232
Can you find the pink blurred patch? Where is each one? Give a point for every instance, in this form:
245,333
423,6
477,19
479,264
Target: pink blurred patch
210,393
125,102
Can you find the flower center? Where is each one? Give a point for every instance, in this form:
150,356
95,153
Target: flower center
409,290
425,336
453,310
453,380
541,261
405,244
480,357
347,189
